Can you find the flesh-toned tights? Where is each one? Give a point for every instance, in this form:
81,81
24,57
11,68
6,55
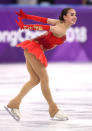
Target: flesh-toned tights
38,74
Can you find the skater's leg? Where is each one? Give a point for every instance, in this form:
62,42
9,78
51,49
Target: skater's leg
42,73
34,80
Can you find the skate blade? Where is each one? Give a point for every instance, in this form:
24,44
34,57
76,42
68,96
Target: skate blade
59,119
11,113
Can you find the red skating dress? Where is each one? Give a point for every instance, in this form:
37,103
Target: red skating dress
40,44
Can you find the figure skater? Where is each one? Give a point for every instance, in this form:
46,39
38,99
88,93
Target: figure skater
36,61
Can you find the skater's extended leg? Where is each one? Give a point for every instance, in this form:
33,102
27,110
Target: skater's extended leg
34,80
13,105
42,73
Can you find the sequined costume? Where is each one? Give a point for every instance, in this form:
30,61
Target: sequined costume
41,44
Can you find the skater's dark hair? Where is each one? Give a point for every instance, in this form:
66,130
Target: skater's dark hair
64,12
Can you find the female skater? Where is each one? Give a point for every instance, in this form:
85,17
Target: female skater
35,58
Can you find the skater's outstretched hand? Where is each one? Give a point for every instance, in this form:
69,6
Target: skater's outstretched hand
21,14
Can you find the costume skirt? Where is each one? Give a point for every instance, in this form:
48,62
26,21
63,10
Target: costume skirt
34,48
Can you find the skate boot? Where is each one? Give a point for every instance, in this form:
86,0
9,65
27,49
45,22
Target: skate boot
60,116
15,113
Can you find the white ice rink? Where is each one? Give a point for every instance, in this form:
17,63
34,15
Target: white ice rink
71,87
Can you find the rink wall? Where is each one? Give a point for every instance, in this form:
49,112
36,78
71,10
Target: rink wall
77,48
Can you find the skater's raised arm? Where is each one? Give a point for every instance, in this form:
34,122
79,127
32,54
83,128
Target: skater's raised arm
37,18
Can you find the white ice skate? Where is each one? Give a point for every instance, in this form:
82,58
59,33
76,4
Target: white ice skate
60,116
15,113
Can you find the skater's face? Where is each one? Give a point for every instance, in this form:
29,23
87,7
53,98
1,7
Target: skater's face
70,17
